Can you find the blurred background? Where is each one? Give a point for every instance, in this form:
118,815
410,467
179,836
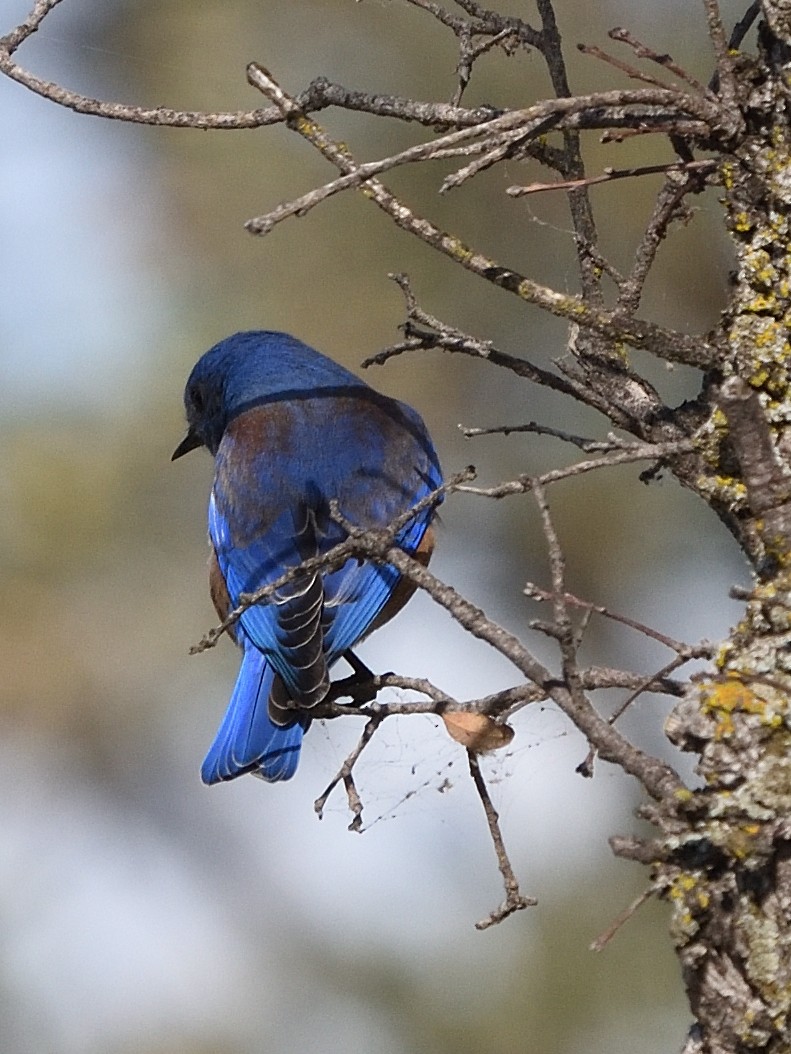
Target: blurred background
140,911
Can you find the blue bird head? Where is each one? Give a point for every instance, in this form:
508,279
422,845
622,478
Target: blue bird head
246,370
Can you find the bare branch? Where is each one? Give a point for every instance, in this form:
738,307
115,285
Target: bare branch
585,768
664,343
161,115
588,445
345,775
469,53
668,203
618,64
514,901
638,452
611,174
319,95
657,777
499,705
11,41
726,80
322,93
449,338
742,27
686,651
604,938
501,133
493,22
661,59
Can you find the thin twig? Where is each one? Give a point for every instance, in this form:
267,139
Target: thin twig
588,445
604,938
344,775
726,81
660,675
639,452
619,64
443,147
660,58
585,768
442,15
469,53
665,210
562,626
688,651
582,219
609,175
557,569
492,22
11,41
450,335
451,339
676,129
514,900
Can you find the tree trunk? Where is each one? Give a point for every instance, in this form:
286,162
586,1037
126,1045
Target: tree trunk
726,869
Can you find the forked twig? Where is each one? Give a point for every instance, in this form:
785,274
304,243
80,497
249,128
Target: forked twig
11,41
585,768
687,651
660,58
514,900
344,775
619,64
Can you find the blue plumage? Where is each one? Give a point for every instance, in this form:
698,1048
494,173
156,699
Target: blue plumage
292,431
247,740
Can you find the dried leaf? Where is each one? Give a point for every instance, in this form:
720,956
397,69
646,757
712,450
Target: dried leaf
477,732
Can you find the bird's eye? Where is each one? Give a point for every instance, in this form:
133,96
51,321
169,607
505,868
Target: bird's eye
197,399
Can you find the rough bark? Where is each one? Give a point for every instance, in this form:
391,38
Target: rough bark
727,846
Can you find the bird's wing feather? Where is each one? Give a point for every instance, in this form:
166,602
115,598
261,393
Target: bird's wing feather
287,627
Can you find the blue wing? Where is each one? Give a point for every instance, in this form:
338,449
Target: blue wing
288,627
353,596
356,594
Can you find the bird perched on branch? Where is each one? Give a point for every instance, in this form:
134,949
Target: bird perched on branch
292,433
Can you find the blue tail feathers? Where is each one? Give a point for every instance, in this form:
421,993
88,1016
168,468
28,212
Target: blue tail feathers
247,740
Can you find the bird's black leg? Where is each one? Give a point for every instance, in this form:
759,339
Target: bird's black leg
360,669
360,685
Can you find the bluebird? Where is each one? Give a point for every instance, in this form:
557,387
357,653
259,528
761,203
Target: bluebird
292,431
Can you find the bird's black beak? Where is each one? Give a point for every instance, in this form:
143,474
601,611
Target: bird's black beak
190,442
